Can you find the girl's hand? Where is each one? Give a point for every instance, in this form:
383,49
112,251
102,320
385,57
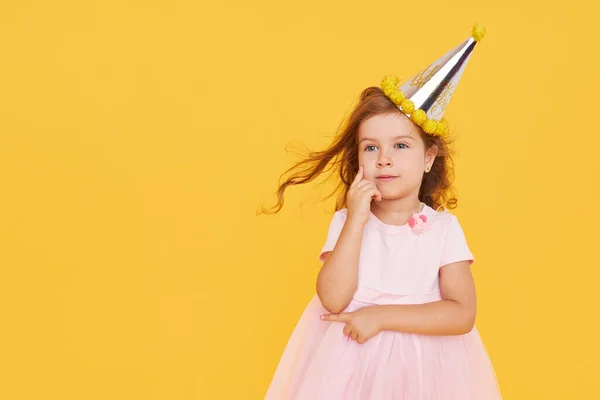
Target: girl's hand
360,195
361,324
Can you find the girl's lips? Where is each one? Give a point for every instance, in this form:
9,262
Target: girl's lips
386,178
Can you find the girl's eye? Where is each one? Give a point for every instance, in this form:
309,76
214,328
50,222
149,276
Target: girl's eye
372,147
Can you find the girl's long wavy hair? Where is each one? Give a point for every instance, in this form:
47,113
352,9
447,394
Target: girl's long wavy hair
342,157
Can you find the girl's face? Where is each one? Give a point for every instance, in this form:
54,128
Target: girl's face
392,153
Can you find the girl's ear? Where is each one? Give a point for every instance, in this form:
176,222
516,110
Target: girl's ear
431,153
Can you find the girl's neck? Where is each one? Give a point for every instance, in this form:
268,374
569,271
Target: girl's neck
396,212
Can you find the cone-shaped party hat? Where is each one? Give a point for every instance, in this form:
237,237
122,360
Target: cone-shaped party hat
425,96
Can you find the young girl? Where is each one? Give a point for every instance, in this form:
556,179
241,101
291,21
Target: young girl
394,312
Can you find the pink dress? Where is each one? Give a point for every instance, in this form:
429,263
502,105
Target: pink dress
396,266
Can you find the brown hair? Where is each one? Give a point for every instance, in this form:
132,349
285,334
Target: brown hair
342,156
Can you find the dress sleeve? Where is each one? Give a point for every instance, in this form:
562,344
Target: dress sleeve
455,246
335,228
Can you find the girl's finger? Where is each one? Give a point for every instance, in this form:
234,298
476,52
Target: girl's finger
347,330
377,195
358,177
364,184
349,336
372,190
341,317
354,335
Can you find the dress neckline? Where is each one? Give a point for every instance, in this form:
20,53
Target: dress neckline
395,228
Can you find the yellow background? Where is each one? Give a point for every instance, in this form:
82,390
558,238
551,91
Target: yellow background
138,138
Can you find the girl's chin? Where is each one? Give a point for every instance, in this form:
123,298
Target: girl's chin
390,194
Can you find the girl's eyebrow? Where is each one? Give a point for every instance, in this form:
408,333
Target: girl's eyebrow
394,138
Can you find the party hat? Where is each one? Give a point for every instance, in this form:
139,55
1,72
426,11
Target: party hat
425,96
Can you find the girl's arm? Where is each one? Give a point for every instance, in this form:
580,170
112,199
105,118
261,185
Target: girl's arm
453,315
338,277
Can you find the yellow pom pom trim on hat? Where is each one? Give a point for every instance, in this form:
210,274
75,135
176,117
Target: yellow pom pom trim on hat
418,117
443,127
407,106
478,32
389,86
429,126
439,130
397,97
388,90
389,80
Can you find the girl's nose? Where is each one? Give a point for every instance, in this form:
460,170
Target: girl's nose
384,163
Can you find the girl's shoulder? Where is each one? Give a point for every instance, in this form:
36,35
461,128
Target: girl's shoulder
338,219
340,214
443,218
447,223
441,215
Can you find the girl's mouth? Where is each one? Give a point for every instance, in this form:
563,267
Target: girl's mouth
386,178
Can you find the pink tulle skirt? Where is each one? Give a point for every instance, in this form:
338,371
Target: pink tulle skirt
319,363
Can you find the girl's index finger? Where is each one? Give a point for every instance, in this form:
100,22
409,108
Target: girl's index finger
341,317
358,177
